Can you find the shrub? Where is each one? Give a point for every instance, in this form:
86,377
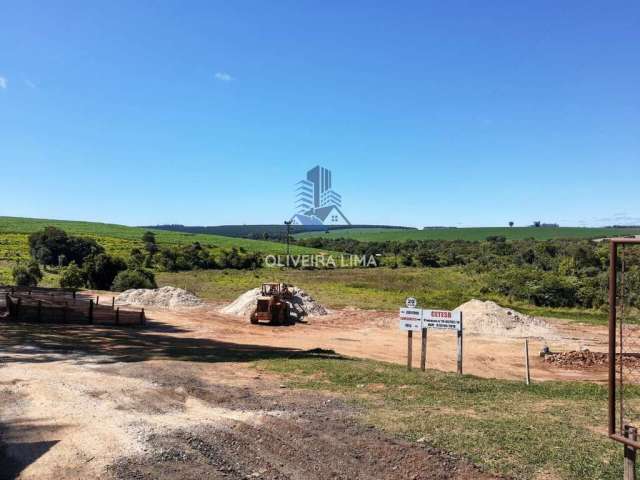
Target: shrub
128,279
72,277
100,270
26,275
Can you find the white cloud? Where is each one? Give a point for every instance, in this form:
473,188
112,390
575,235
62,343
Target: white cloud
3,82
223,76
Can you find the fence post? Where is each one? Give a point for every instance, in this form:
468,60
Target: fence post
118,316
142,319
630,453
527,374
97,299
91,310
113,302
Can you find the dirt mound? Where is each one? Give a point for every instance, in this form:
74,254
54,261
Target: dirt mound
489,318
246,303
165,297
588,359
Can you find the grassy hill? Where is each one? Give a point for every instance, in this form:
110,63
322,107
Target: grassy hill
480,233
119,239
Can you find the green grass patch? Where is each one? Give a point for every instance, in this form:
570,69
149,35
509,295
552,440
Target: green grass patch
373,289
480,233
552,428
119,239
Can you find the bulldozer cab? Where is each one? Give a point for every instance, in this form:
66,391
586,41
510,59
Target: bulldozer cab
271,305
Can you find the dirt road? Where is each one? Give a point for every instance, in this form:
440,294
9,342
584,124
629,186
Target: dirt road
86,402
178,399
375,335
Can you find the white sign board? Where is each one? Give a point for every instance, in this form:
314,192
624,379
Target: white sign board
411,302
411,319
442,319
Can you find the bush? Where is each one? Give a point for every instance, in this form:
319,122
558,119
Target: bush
72,277
128,279
26,275
100,270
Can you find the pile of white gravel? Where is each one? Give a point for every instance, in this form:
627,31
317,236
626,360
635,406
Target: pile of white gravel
245,304
165,297
489,318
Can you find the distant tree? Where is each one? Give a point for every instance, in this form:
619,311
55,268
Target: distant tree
100,270
136,258
537,223
72,277
149,237
427,258
511,224
150,245
52,246
128,279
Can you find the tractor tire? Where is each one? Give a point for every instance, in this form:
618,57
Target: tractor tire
253,318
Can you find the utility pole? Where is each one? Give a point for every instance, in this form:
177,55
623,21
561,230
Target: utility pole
288,224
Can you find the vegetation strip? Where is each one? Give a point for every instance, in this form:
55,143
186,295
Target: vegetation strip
505,426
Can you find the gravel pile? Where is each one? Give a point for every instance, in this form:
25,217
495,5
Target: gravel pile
587,359
245,304
165,297
489,318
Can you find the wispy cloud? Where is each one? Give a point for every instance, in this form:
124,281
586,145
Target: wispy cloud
223,76
3,82
30,84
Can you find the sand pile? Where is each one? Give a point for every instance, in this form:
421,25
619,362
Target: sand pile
489,318
245,304
165,297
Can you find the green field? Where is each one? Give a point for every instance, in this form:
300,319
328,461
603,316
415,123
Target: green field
551,430
374,289
119,239
480,233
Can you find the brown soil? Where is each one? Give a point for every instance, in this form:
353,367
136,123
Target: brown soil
176,400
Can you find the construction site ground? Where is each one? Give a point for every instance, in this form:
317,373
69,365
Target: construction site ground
181,398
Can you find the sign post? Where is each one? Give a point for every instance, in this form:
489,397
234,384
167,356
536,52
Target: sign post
410,321
414,319
423,356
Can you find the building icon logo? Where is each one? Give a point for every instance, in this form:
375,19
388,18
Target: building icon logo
316,202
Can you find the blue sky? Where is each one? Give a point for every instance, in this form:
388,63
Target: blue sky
428,112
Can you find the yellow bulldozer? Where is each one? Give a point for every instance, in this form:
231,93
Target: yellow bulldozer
273,305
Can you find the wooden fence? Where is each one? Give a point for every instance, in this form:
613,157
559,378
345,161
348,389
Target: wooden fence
42,305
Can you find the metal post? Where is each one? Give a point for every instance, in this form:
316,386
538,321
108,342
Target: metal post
142,319
409,349
527,375
630,453
97,299
113,302
613,287
423,355
118,316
